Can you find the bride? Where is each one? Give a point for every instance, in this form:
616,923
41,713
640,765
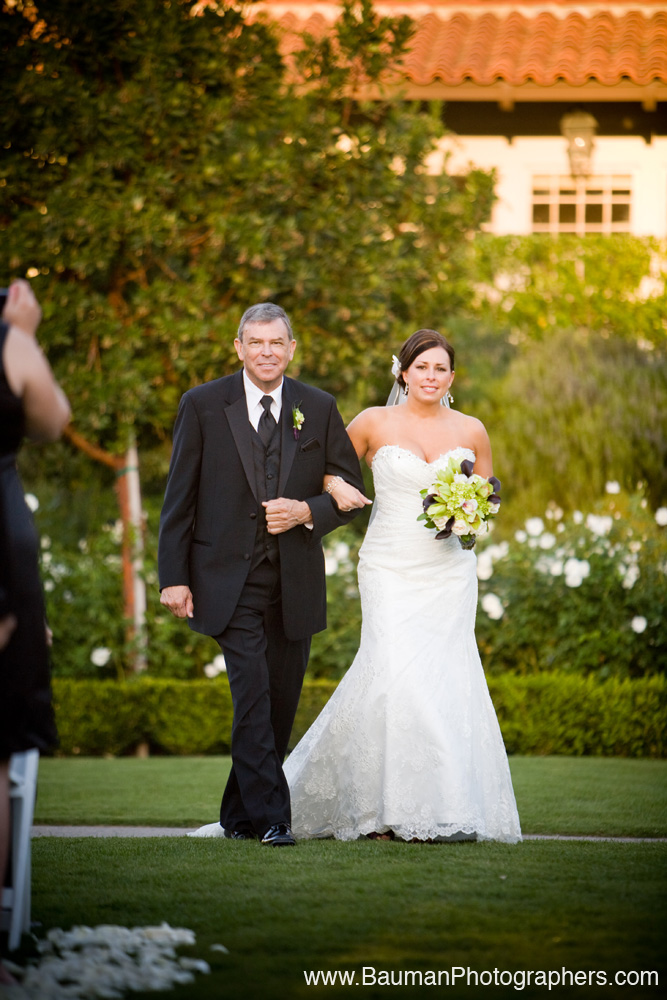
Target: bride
409,744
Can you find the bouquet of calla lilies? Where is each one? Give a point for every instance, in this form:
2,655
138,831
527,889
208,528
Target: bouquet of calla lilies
460,502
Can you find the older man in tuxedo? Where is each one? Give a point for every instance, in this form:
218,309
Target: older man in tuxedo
240,550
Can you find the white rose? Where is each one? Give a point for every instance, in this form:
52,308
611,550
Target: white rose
460,528
638,624
599,525
100,656
492,604
534,526
484,566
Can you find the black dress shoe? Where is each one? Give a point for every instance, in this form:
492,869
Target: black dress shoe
239,835
279,835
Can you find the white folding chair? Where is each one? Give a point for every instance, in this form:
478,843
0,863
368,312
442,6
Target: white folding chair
22,791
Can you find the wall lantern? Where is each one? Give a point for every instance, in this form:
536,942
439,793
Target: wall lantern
579,127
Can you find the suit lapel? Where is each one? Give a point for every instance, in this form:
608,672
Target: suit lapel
237,415
288,443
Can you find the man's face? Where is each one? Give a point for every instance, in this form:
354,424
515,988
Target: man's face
265,351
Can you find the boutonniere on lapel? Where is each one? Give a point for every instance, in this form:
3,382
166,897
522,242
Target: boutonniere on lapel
297,420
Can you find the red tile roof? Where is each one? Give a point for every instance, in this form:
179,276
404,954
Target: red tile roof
516,49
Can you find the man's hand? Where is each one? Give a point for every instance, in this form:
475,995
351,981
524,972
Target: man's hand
179,601
283,514
22,308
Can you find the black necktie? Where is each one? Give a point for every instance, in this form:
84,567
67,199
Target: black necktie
267,421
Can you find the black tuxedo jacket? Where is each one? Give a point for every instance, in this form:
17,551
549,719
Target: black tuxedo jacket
210,513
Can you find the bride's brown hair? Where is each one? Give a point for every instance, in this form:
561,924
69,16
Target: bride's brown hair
419,342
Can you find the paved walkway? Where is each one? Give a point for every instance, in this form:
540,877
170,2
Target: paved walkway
172,831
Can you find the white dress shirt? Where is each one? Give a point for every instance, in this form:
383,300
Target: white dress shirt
254,396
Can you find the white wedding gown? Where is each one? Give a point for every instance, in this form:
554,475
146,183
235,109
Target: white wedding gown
409,741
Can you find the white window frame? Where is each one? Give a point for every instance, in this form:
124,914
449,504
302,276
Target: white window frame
570,200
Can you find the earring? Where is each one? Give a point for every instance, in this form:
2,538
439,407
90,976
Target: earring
449,397
406,390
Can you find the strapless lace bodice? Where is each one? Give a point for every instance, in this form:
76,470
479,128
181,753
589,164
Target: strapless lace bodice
409,741
395,537
399,475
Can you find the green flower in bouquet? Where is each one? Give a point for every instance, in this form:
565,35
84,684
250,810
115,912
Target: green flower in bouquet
460,502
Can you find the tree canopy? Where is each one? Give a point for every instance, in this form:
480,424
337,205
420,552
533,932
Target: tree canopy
163,170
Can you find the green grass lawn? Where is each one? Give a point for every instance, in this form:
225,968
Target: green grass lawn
566,795
392,907
389,906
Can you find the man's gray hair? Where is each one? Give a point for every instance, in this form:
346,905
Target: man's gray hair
264,312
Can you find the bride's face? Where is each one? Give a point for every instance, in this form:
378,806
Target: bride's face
430,375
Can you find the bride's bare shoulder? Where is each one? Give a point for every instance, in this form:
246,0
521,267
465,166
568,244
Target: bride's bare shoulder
369,419
368,430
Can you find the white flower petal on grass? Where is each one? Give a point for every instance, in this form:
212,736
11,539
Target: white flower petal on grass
556,568
577,517
492,604
534,526
32,502
109,961
661,516
638,624
221,948
100,656
613,487
520,536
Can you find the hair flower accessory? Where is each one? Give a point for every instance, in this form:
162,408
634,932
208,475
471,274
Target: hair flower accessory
297,420
460,502
396,366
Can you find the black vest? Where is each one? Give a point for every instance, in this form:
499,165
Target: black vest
267,470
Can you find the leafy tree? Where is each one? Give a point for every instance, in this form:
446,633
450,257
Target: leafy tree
615,285
567,364
576,410
162,173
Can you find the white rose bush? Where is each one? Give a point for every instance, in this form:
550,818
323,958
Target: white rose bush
559,591
581,593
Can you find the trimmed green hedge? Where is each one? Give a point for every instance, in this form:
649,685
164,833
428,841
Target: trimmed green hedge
539,714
